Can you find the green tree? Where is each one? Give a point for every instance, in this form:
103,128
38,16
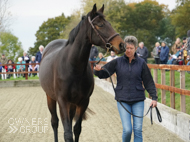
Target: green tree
180,18
48,31
139,19
10,46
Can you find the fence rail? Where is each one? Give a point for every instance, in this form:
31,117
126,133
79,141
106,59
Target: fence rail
24,72
172,68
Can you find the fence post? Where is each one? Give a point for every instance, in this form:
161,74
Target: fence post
149,94
26,70
182,86
163,82
172,94
156,78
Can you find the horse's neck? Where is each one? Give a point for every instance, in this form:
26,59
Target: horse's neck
79,52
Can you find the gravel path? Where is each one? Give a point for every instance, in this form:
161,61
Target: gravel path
24,117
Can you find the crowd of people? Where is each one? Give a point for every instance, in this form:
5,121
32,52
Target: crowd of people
178,55
10,67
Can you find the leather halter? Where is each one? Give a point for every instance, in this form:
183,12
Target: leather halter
106,41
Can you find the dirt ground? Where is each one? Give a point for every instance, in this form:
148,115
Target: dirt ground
24,117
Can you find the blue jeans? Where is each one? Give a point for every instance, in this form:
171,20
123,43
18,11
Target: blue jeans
136,109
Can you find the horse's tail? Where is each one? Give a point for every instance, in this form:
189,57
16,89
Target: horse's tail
88,113
85,116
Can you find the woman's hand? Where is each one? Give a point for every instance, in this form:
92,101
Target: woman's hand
153,103
97,67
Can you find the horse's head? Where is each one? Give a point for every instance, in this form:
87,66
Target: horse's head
102,33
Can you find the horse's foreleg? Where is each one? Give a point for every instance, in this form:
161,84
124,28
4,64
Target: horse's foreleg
79,113
64,108
54,118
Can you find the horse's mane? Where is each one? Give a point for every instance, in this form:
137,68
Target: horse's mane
74,31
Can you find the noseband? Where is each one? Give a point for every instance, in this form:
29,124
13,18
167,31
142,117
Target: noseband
106,41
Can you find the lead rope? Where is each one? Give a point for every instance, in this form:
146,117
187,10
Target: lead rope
150,108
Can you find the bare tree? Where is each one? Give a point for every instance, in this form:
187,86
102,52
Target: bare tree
5,15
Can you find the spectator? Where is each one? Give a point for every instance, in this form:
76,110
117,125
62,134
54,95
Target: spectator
188,60
176,45
184,47
188,42
179,60
3,60
25,57
9,68
174,57
164,53
39,54
156,52
0,69
93,53
20,68
33,67
100,56
142,51
111,57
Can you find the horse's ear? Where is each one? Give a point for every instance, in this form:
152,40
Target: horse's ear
94,10
101,9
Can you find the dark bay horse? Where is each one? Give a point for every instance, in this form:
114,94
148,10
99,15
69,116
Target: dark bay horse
65,72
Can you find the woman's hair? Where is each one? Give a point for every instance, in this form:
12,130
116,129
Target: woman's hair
9,60
131,40
101,54
20,59
33,57
157,43
41,46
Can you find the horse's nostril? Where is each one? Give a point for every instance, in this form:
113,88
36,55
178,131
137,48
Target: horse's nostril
121,45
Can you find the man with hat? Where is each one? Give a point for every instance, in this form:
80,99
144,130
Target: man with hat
3,59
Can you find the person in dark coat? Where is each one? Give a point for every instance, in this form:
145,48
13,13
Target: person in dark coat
39,54
142,51
131,72
164,53
25,57
93,53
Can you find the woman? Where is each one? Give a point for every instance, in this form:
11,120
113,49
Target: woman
20,68
9,68
176,45
100,56
156,52
131,71
33,67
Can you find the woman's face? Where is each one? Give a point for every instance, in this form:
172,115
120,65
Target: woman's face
130,50
157,44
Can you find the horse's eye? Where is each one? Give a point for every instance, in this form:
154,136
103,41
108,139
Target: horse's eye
100,25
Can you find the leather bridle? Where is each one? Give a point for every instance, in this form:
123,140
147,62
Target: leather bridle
106,41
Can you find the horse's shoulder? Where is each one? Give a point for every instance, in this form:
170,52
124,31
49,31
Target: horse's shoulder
54,45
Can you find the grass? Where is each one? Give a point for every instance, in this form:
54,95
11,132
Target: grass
20,78
177,85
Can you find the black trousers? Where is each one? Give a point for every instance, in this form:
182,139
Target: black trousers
157,60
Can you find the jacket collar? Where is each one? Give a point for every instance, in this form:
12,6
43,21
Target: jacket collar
135,59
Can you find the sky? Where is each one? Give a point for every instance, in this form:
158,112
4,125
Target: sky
28,15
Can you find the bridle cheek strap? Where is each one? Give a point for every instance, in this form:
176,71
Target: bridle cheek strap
106,41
